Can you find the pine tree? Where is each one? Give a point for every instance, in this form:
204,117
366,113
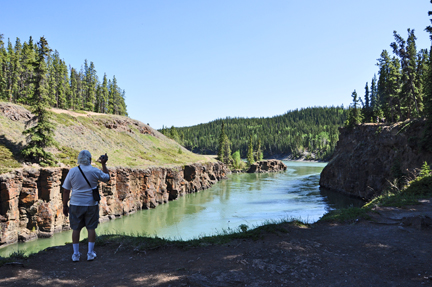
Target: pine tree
366,110
259,154
3,54
250,157
221,144
17,72
41,135
426,141
375,101
382,87
393,91
28,58
104,95
90,86
407,53
354,117
73,88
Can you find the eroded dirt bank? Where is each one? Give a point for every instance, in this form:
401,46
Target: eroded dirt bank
385,251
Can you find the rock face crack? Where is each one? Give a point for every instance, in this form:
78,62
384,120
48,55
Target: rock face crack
31,199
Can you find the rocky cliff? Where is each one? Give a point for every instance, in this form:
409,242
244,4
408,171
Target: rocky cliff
270,165
31,205
368,156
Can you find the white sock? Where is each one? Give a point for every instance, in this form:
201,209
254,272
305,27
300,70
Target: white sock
76,248
90,246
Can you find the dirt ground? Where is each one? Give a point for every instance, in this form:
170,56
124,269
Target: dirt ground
392,249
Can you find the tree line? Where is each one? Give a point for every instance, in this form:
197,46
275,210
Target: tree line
314,130
67,87
403,89
400,91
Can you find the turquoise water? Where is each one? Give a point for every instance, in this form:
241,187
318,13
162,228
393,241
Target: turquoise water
251,199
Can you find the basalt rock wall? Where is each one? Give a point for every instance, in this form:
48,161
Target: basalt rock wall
264,166
31,199
368,156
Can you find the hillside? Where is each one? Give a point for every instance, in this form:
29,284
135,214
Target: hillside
310,132
128,142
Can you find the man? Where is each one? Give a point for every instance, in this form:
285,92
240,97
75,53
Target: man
83,210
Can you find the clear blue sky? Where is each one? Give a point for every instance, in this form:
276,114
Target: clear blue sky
188,62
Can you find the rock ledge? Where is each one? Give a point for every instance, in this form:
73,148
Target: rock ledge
270,165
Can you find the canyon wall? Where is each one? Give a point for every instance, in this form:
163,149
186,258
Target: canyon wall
368,156
31,199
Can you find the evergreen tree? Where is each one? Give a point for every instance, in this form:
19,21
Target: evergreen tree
375,101
224,147
426,141
366,110
393,91
41,135
354,117
3,93
28,58
250,157
17,72
259,154
221,146
174,134
104,95
90,86
52,83
73,89
227,151
408,57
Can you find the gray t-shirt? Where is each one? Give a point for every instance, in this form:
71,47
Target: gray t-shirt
81,191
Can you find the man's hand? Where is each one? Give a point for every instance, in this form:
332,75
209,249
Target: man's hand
103,159
66,210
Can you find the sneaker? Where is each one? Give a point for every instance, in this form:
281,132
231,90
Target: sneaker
76,257
91,256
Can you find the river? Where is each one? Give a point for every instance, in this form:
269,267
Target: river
250,199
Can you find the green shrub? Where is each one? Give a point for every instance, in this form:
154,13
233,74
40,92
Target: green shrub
237,162
420,186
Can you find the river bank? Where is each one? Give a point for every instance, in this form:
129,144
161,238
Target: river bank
227,205
380,252
31,205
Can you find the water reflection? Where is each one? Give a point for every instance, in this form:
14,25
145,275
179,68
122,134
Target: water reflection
250,199
336,201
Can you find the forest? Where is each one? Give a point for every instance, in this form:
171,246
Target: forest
403,91
314,130
403,86
66,86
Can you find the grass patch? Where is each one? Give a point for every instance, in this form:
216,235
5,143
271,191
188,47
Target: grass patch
7,160
67,155
417,189
64,119
346,215
75,133
146,242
